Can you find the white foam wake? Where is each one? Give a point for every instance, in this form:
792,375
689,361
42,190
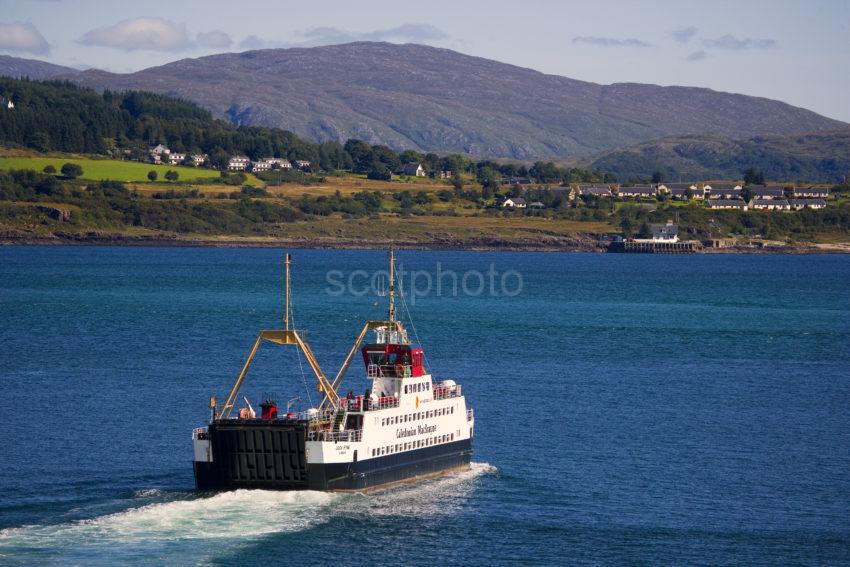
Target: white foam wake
237,515
230,517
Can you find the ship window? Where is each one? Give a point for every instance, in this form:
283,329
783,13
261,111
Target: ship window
383,422
452,437
373,452
427,385
453,409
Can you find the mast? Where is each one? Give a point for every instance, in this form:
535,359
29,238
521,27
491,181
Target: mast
286,312
392,286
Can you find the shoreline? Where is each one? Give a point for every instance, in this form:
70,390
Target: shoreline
574,243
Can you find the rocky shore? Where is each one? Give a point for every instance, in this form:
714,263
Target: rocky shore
544,243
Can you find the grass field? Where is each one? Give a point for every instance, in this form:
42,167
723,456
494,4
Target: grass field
350,184
430,228
128,171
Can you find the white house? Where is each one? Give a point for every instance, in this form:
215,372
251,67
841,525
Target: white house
662,233
636,191
414,169
282,163
797,204
7,102
514,203
737,204
446,174
157,151
302,163
771,192
238,163
175,158
261,165
769,204
595,191
811,193
198,159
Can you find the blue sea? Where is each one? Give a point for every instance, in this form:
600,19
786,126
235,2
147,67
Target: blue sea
630,409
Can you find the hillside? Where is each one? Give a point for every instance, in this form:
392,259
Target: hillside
32,68
425,98
809,157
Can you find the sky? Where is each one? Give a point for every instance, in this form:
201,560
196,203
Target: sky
794,51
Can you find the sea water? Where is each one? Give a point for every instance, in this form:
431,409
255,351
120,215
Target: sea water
629,409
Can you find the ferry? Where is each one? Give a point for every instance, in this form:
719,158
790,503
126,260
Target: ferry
406,426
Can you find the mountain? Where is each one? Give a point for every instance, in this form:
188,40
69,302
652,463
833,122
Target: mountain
426,98
823,156
32,68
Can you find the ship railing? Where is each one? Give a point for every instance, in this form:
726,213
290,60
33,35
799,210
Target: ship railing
388,370
470,415
443,392
314,416
361,404
352,435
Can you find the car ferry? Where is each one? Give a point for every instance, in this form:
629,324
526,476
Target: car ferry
406,426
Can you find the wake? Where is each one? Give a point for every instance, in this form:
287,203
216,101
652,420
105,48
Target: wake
234,516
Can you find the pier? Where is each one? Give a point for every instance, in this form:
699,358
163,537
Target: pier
633,247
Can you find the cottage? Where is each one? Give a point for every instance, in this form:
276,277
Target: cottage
238,163
414,169
662,233
726,194
736,204
261,165
769,204
175,158
7,102
514,203
721,186
810,193
199,159
767,192
446,174
302,164
797,204
281,163
595,191
156,152
636,191
686,193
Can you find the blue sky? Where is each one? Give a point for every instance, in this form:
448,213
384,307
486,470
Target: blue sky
793,51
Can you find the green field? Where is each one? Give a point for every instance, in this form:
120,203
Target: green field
129,171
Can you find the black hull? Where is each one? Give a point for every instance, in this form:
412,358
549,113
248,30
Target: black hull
272,457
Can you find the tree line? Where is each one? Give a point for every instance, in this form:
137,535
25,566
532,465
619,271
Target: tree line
63,117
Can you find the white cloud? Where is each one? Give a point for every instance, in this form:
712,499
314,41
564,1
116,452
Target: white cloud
214,39
696,56
405,33
684,35
610,41
22,37
729,41
154,34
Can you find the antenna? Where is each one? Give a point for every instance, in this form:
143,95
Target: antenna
392,286
286,312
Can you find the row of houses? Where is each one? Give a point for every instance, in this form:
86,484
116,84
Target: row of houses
162,154
702,191
767,204
717,196
243,163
